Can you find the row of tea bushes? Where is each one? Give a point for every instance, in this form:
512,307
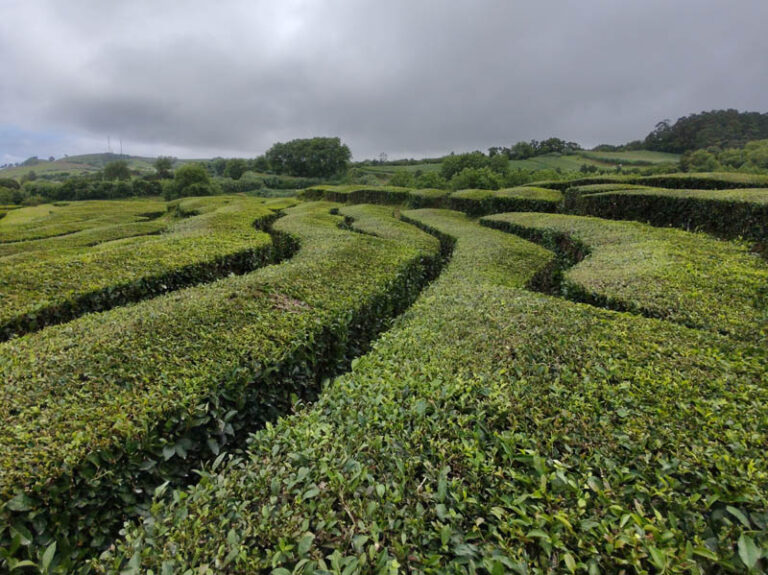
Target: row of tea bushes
43,288
474,202
737,213
97,413
49,220
520,199
681,181
688,278
84,239
492,430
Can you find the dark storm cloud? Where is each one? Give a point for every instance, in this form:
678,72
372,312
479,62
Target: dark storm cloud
411,78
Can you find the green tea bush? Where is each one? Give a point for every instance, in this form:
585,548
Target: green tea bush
688,278
49,220
475,202
97,413
492,430
520,199
42,288
740,213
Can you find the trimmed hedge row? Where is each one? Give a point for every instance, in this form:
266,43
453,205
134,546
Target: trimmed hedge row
493,430
43,288
520,199
728,214
99,412
703,181
83,239
691,181
49,220
687,278
474,202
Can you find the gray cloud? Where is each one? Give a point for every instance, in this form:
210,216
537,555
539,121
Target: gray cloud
408,78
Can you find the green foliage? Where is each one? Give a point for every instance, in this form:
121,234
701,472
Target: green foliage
163,166
455,163
679,276
431,180
40,289
699,161
740,213
475,202
492,430
141,394
721,128
9,183
483,178
190,180
519,199
235,168
403,179
117,170
309,158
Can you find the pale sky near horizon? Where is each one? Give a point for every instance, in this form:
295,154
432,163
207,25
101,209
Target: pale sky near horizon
410,78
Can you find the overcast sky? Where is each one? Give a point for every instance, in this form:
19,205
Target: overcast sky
410,78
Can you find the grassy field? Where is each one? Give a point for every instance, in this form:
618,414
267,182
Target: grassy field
360,380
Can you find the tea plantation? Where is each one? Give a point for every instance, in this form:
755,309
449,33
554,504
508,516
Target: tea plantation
543,379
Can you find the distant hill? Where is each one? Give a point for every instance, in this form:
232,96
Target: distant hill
75,165
718,128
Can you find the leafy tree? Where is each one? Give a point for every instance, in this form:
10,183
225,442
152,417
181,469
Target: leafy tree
455,163
699,161
402,178
9,183
309,158
190,180
258,164
217,166
481,178
117,170
163,166
431,180
235,168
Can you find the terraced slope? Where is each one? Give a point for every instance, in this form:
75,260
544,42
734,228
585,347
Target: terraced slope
493,430
98,412
688,278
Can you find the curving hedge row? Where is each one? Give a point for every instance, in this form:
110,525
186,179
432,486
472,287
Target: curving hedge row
76,241
740,213
43,288
688,278
50,220
492,430
98,412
